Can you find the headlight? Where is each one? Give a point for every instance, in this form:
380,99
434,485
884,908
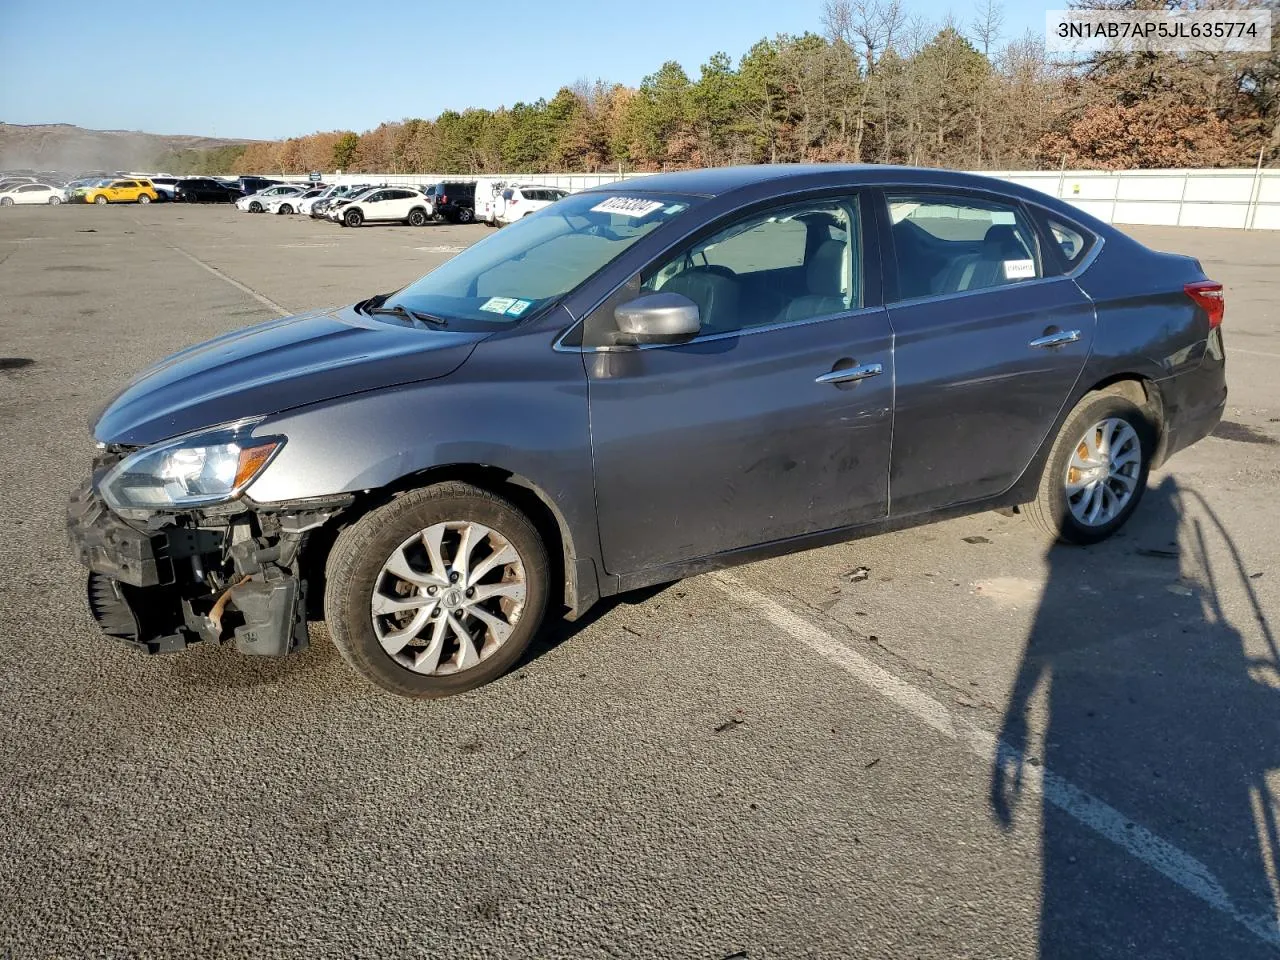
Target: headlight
191,471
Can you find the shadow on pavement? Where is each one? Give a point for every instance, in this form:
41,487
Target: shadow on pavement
1155,704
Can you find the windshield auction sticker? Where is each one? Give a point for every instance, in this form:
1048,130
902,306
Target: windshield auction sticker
627,207
498,304
1164,31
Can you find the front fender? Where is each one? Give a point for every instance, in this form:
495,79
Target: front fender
515,405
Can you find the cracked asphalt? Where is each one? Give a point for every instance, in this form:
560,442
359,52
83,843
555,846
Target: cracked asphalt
980,748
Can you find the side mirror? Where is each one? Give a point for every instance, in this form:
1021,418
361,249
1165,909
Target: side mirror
657,318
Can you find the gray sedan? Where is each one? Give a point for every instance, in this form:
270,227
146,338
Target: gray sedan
638,383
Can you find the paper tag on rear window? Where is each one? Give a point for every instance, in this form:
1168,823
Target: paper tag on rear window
498,304
627,206
1019,269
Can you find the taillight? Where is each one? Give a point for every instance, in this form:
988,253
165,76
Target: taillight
1208,296
444,199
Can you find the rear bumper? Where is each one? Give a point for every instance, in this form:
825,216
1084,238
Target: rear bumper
160,589
1194,402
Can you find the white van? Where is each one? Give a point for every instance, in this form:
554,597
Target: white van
489,199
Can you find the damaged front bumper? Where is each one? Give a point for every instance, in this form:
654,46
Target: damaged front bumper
230,573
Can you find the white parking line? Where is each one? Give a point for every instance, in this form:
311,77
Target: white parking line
1176,864
265,301
1254,353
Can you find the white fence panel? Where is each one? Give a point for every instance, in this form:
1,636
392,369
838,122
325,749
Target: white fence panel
1240,199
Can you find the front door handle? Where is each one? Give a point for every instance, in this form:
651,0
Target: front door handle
851,373
1056,339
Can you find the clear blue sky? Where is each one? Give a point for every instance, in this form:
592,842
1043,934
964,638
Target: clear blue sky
238,69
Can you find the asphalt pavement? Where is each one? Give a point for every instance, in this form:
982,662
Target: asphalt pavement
946,742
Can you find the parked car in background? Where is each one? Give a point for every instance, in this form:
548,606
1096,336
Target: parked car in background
205,190
166,186
517,202
128,190
336,204
453,200
488,194
251,185
8,183
645,381
307,205
75,187
387,205
257,202
31,193
290,203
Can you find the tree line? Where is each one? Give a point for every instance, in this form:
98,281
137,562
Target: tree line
874,85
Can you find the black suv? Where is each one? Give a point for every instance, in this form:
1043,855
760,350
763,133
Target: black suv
204,190
453,200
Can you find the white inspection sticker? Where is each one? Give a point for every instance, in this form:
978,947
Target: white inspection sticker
518,307
498,304
1019,269
627,206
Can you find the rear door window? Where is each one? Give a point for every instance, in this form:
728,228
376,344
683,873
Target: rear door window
947,245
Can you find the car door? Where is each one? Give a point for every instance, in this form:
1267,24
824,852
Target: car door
988,344
31,193
774,421
397,204
372,205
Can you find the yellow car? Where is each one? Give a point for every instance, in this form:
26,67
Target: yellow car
135,190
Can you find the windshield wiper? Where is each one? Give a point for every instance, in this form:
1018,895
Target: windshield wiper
411,315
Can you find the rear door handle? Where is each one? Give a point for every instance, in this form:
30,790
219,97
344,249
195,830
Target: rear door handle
851,373
1056,339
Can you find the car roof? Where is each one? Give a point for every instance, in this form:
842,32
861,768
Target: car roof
717,181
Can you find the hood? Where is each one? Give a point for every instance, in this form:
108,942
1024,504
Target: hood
277,366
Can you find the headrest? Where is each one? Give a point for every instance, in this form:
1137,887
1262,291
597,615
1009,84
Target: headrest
825,271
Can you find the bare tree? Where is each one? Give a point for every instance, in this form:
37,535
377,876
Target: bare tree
988,19
868,29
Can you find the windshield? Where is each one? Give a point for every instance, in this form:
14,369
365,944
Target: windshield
539,258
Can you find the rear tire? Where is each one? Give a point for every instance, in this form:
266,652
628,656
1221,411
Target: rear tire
144,198
417,218
466,215
358,568
1096,474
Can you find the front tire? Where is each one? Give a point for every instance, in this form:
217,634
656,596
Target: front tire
417,218
6,201
255,207
1095,477
54,201
353,218
437,592
100,200
285,208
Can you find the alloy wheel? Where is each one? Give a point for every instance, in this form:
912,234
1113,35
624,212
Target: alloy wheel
1103,472
448,597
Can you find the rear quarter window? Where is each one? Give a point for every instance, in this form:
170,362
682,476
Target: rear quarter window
1071,242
